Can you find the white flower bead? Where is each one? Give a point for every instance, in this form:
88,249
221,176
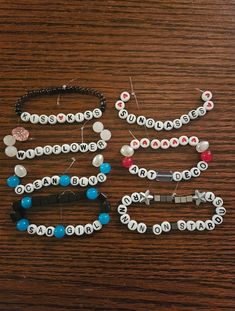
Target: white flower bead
9,140
11,151
61,118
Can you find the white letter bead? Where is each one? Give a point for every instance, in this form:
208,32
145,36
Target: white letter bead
83,182
144,142
61,118
37,184
150,123
101,177
119,105
32,228
135,144
174,142
55,180
166,226
183,140
39,151
74,180
52,119
155,144
125,218
158,125
25,116
186,175
177,123
97,113
92,146
135,197
193,141
43,119
132,225
209,225
217,219
142,173
218,202
79,230
201,111
123,114
21,155
46,181
70,117
141,120
168,125
92,180
29,188
165,143
50,231
19,189
101,144
177,176
88,228
209,105
34,118
181,225
47,150
157,229
191,225
195,172
141,227
131,118
202,165
151,174
209,196
193,114
97,225
220,211
122,209
184,119
206,95
74,147
134,169
126,200
88,115
125,96
79,117
200,225
41,230
30,153
70,230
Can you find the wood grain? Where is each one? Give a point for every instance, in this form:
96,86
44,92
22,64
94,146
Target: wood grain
169,48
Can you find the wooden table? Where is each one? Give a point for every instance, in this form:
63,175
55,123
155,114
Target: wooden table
170,49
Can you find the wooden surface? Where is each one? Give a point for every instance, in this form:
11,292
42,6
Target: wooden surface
169,48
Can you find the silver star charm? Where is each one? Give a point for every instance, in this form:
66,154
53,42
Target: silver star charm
146,197
199,197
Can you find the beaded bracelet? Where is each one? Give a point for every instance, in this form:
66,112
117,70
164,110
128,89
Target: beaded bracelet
201,147
166,125
63,180
166,226
22,223
60,118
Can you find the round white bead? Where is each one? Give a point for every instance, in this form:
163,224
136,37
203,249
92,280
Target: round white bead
70,118
142,172
61,118
193,114
144,142
30,153
218,202
155,144
98,127
39,151
186,175
25,116
150,123
69,230
101,144
11,151
165,144
184,119
79,230
141,227
168,125
125,218
47,150
34,118
209,196
92,146
217,219
220,211
200,225
135,197
177,123
133,169
202,146
123,113
98,160
135,144
157,229
127,151
74,147
65,148
126,200
166,226
177,176
43,119
92,180
132,225
29,188
19,189
52,119
195,172
191,225
151,174
79,117
193,141
158,125
88,115
206,95
208,105
74,180
209,224
131,118
183,140
202,165
50,231
56,149
122,209
32,228
37,184
9,140
101,177
141,120
125,96
201,111
88,229
174,142
119,105
181,225
105,135
20,170
83,182
41,230
46,181
97,225
97,113
21,155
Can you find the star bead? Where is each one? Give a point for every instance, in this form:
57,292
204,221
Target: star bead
199,197
145,197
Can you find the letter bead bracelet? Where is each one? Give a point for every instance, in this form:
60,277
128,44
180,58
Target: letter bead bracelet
22,223
165,125
166,226
201,147
59,118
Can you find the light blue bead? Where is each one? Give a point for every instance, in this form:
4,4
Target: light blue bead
104,218
59,231
26,202
64,180
105,168
22,224
13,181
92,193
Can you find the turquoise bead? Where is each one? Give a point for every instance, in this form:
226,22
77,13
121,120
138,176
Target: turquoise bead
26,202
92,193
104,218
22,224
13,181
64,180
59,231
105,168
